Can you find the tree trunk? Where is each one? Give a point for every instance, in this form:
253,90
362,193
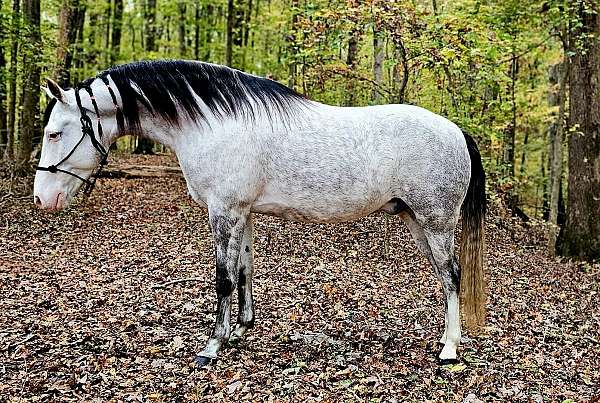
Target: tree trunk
3,133
524,153
181,31
400,74
237,35
253,32
150,16
556,156
78,56
91,39
131,25
197,32
238,27
107,15
115,51
12,79
144,145
67,33
293,46
229,33
208,32
243,32
247,22
581,234
140,171
509,138
350,62
165,27
378,57
31,86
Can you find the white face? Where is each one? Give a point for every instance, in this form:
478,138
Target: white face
54,191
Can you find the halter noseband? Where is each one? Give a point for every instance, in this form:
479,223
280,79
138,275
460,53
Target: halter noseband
87,130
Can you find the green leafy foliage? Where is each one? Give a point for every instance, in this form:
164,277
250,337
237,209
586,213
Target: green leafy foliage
457,61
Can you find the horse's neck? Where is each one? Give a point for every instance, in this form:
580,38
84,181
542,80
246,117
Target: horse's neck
190,137
160,131
189,133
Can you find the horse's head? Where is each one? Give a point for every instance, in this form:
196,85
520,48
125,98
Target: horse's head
69,155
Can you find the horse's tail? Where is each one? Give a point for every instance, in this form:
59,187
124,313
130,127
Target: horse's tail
472,281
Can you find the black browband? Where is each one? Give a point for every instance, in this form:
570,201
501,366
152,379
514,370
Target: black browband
87,130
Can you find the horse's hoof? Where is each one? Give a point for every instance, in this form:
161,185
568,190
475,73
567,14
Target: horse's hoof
448,361
238,334
234,340
201,361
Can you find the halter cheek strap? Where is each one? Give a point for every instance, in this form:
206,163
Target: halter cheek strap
87,130
119,112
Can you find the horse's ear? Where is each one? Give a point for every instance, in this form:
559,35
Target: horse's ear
54,91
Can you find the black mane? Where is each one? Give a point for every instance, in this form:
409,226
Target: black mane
167,87
48,111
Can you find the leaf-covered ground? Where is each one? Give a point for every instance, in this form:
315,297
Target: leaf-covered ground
338,317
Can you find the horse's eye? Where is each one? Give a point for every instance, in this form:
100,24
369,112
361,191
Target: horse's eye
54,135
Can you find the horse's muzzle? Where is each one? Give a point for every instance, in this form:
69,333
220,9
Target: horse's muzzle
53,202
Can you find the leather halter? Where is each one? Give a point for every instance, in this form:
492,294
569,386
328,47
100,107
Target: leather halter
87,130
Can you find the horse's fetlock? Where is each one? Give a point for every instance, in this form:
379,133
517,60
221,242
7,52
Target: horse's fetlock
246,320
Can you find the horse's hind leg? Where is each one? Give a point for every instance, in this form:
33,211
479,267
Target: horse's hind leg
423,245
435,239
441,244
245,319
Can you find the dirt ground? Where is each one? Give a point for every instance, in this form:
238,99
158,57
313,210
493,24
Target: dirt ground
338,317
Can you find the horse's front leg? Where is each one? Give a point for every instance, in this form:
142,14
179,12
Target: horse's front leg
245,319
227,227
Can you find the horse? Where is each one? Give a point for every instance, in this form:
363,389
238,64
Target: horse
250,145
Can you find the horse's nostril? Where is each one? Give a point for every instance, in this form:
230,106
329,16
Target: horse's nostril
37,201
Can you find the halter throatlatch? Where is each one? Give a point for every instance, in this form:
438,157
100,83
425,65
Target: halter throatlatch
88,130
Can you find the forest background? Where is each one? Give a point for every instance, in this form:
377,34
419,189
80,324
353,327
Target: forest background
522,77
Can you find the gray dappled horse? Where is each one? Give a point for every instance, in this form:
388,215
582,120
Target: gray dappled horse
251,145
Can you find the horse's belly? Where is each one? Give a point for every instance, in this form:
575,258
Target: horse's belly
320,209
